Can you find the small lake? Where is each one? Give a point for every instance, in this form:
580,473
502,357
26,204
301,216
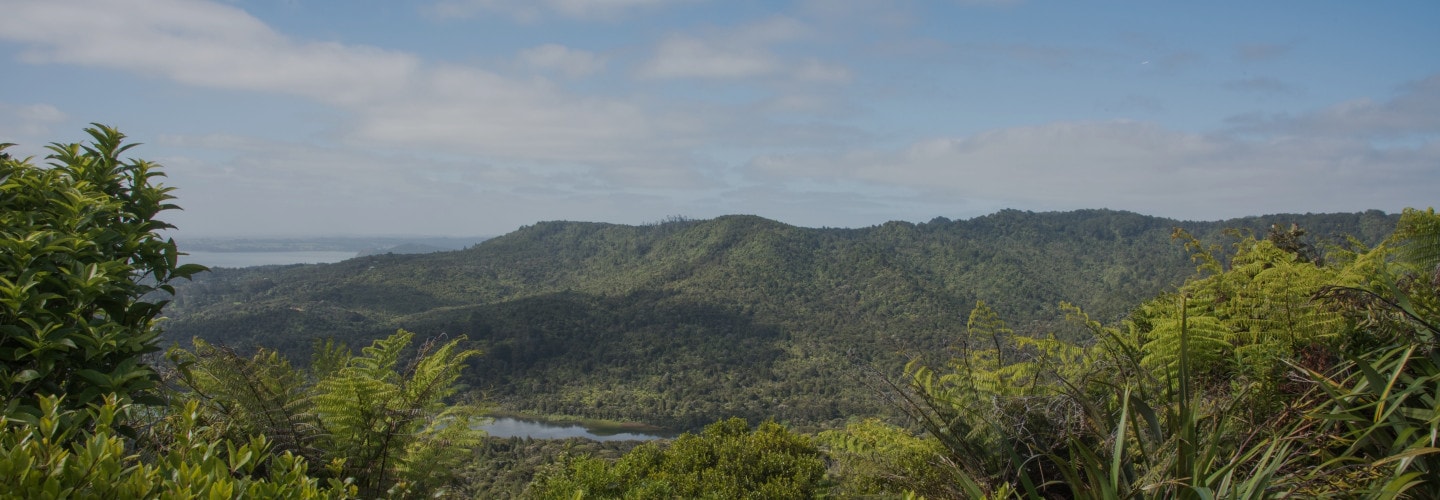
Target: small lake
248,259
517,427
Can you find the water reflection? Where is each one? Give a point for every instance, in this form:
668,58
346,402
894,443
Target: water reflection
513,427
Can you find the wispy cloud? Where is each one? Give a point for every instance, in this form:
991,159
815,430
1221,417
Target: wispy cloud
745,51
394,97
532,10
688,57
202,43
814,70
28,121
988,3
1254,52
1414,112
834,112
1133,165
1261,85
570,62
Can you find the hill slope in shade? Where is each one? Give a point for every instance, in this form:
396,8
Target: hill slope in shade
682,323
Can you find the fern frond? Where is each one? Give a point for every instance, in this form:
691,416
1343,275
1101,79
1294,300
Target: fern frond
1206,338
1416,240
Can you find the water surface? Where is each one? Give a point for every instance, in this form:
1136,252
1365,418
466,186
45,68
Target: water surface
515,427
248,259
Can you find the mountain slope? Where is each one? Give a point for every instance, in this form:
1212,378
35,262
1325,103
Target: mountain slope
688,321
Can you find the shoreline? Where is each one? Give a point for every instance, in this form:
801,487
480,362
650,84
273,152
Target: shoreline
594,425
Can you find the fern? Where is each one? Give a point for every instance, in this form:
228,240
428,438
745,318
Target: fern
1417,240
1274,303
386,426
374,414
1207,339
260,395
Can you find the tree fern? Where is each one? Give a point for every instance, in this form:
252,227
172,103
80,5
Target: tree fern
1274,303
985,328
259,395
385,424
373,413
1417,240
1417,249
1206,340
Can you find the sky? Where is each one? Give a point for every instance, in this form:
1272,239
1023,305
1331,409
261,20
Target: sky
476,117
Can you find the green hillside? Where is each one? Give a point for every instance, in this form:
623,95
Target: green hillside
688,321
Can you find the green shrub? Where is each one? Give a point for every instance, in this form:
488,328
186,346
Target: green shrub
80,250
51,458
727,460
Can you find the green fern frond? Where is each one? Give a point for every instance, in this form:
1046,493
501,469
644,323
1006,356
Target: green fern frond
1416,240
1206,338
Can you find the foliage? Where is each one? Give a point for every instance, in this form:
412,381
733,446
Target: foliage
53,458
727,460
1168,409
388,425
1247,317
505,467
80,251
1380,405
871,457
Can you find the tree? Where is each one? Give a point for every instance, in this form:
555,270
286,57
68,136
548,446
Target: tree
82,270
80,257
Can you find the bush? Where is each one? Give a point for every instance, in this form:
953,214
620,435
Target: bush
727,460
51,459
79,253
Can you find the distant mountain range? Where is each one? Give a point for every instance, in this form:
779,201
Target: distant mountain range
357,244
684,322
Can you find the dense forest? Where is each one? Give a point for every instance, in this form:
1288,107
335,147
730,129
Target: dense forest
684,322
1287,357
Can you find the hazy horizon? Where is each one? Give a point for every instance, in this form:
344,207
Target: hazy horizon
193,237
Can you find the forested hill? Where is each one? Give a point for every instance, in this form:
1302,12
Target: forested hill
688,321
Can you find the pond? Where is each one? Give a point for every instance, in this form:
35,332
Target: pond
537,429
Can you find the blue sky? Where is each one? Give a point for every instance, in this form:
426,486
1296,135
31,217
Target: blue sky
474,117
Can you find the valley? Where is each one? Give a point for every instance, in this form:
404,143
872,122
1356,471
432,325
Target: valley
682,323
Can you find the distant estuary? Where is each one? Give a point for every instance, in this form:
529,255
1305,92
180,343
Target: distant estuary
539,429
280,258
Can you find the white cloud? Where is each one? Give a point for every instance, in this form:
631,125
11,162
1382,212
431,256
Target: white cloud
746,51
689,57
342,190
1414,112
460,139
393,98
1136,166
21,123
570,62
40,114
775,29
201,43
531,10
483,112
813,70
